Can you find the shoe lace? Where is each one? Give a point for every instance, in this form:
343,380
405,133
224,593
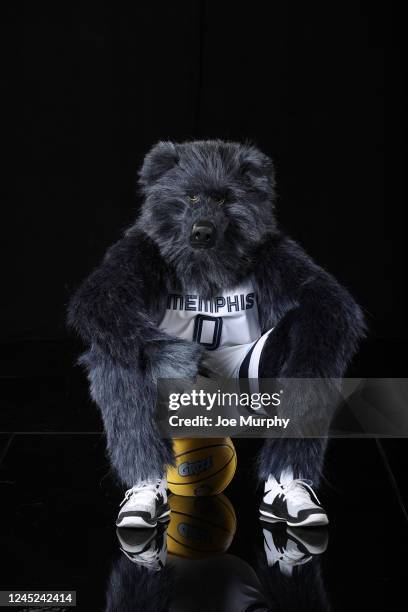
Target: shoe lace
142,490
299,490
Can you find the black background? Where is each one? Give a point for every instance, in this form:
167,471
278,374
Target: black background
318,86
87,91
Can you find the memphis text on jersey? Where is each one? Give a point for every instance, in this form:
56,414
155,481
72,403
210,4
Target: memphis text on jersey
194,303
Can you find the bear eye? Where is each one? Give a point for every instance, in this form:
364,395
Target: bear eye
219,201
194,198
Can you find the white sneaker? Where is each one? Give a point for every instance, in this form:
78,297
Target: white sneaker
144,504
145,547
292,547
293,501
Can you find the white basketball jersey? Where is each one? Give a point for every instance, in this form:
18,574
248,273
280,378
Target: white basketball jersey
227,325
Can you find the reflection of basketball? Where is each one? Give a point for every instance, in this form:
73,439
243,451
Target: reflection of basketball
203,466
200,526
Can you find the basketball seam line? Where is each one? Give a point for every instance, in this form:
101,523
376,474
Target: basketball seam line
202,448
180,484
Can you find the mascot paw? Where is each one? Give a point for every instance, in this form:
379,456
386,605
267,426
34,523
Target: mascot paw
174,358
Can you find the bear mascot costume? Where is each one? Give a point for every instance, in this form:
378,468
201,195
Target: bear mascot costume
206,246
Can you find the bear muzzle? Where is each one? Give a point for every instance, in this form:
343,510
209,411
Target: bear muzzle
203,234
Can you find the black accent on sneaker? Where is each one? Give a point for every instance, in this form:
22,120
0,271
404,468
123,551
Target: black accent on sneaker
281,539
135,541
137,513
300,545
314,541
161,510
308,541
279,535
278,509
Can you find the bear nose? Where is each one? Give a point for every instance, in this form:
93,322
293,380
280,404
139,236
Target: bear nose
202,234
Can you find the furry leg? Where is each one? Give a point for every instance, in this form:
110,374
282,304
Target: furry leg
126,398
304,456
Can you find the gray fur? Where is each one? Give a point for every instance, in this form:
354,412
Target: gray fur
117,310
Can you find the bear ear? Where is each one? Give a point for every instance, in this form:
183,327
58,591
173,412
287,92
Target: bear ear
257,168
161,158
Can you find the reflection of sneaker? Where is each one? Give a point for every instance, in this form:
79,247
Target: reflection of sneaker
144,504
293,501
292,547
146,547
314,541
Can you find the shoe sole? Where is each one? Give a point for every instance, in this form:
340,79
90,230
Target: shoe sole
139,522
313,520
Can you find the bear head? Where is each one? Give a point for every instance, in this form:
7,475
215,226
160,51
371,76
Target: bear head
207,205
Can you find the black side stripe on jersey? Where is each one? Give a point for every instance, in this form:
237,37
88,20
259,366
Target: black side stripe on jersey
243,370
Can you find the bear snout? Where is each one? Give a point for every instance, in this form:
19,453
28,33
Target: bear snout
203,234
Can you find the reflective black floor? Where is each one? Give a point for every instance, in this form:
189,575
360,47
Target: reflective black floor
59,504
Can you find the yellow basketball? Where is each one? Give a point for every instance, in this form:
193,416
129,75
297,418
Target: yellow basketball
203,466
200,526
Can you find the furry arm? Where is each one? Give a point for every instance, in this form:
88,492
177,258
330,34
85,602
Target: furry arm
118,306
317,323
116,311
